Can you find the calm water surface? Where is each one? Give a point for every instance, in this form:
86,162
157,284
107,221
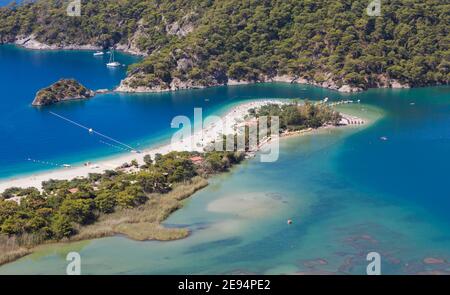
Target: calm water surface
347,191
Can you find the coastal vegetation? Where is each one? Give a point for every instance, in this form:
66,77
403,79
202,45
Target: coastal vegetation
204,43
144,222
128,200
64,89
135,198
295,116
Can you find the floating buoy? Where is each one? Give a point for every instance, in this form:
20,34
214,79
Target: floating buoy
289,221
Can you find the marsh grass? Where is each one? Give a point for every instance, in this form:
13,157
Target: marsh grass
140,223
11,248
145,231
144,222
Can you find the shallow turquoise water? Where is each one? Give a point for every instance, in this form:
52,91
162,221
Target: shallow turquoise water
347,191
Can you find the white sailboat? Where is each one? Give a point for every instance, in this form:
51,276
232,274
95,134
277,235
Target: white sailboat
112,63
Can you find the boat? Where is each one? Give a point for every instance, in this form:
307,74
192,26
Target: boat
112,63
66,166
384,138
99,53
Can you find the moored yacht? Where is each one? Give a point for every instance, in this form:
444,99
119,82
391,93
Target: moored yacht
112,63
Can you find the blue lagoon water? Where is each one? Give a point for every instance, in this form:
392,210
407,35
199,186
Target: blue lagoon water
138,120
29,132
347,191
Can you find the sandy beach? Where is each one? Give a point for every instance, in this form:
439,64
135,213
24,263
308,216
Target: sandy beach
196,141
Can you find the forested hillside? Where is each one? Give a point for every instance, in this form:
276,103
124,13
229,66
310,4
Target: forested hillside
206,42
149,24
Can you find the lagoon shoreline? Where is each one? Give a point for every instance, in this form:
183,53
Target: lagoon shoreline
113,162
139,228
30,43
198,138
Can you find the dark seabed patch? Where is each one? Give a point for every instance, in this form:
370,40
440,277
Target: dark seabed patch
211,245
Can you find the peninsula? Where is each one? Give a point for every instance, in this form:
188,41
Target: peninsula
133,194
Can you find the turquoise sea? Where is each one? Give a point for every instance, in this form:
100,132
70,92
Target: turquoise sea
347,192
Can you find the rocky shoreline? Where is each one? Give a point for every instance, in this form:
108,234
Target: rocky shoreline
30,42
177,84
62,90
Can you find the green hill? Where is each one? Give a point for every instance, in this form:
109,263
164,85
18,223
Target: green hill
206,42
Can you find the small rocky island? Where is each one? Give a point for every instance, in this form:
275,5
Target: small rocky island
62,90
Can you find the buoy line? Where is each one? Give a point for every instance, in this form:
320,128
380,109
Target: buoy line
112,145
44,162
92,131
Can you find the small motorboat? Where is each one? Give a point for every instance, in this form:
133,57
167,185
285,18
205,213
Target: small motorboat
383,138
99,53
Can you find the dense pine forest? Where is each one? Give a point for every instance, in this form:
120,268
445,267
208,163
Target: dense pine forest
206,42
